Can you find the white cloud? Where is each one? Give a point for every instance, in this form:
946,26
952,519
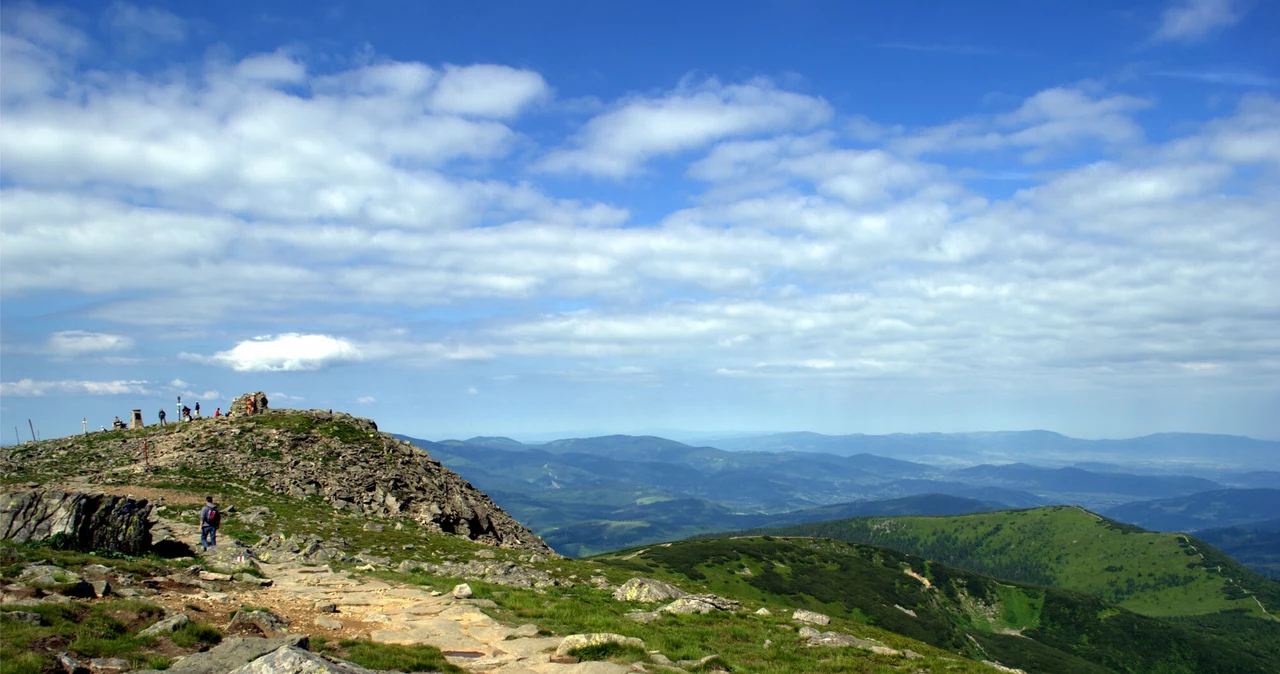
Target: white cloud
366,400
284,353
471,390
72,343
1049,121
31,388
1193,20
487,90
617,143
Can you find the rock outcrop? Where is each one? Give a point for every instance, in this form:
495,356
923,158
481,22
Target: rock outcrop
98,522
343,459
293,660
647,589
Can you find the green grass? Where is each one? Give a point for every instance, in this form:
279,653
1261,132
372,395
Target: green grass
610,651
1155,574
195,634
394,657
101,629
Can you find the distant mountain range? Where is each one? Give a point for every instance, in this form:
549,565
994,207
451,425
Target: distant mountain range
1210,509
588,495
1222,452
1256,544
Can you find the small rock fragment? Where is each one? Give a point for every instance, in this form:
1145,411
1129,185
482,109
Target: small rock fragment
70,665
108,665
101,588
326,607
811,617
328,623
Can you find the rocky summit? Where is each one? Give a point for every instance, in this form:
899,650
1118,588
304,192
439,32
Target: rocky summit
334,456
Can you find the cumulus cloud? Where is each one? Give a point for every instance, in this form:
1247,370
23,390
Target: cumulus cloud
617,143
284,353
486,90
1049,121
71,343
1192,20
25,388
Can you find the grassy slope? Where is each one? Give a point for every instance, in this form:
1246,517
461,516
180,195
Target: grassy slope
1033,628
1154,574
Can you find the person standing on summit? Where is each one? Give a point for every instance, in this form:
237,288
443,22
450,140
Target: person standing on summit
209,521
161,416
197,409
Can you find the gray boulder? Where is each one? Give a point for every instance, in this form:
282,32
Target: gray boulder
647,589
290,660
101,522
108,665
701,603
811,617
167,625
233,652
267,623
24,617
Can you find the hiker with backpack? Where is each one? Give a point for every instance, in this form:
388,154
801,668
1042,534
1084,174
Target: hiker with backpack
161,416
197,409
210,519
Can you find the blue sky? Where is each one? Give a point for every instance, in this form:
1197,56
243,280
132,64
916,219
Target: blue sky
580,217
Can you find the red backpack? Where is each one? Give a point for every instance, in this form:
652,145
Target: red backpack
212,518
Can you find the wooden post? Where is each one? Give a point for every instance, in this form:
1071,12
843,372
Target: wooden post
146,456
33,430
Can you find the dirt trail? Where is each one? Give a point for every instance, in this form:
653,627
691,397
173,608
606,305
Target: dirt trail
384,612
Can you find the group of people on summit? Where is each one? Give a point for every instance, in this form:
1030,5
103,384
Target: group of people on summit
187,414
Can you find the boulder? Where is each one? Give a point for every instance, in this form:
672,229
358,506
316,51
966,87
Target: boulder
811,617
575,641
763,611
267,623
70,665
166,625
240,406
228,559
47,574
108,665
87,522
230,654
289,660
701,603
813,637
328,623
462,591
24,617
647,589
326,607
